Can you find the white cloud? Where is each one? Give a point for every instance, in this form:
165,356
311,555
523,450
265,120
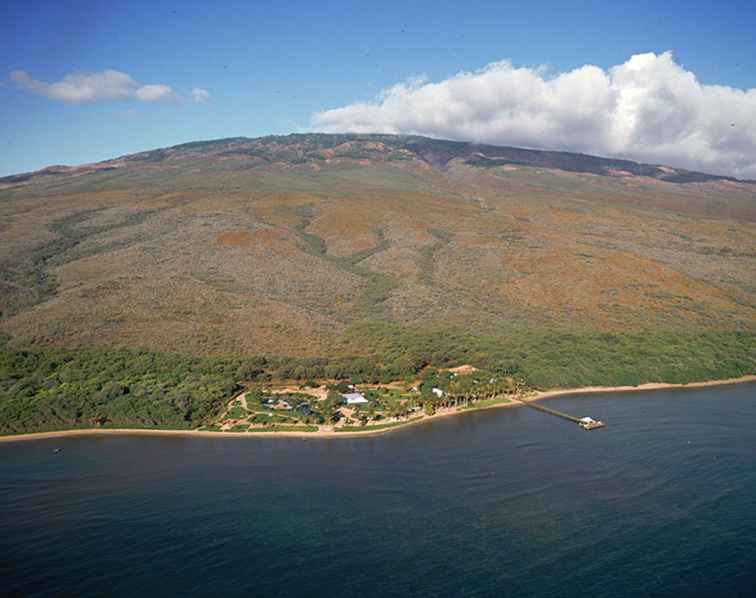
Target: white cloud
80,87
94,87
153,93
649,109
199,95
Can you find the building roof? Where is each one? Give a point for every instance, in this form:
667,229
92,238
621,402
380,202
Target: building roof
355,397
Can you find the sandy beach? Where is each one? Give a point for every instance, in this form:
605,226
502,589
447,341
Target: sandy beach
539,395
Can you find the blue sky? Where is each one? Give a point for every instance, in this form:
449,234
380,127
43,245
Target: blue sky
269,67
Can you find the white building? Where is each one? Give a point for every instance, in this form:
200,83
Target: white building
355,398
437,391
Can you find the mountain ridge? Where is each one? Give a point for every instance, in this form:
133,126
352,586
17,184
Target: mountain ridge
321,245
434,151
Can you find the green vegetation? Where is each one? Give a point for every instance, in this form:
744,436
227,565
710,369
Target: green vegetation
542,358
564,358
47,388
50,389
286,429
238,262
236,412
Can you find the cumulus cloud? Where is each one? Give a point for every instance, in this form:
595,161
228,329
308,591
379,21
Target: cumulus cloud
154,93
80,87
94,87
649,109
199,95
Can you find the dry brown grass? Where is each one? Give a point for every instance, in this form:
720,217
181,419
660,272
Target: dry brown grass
236,238
235,257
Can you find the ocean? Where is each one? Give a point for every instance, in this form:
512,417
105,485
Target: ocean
508,502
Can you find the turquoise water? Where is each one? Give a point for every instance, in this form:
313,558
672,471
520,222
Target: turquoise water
661,502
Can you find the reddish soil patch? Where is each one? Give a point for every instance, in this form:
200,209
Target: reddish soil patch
240,238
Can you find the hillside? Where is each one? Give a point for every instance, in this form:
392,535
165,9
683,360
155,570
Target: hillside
346,245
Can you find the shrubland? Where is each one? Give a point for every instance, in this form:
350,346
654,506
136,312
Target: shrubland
142,291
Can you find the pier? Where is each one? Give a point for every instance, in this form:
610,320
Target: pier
587,423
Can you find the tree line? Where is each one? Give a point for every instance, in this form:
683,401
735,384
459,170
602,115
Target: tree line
45,388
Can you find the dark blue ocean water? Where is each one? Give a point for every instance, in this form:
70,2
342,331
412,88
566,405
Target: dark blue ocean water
661,502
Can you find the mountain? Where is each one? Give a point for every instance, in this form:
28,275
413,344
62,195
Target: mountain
331,245
301,148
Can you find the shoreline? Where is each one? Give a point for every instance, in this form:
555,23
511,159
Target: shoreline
539,395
